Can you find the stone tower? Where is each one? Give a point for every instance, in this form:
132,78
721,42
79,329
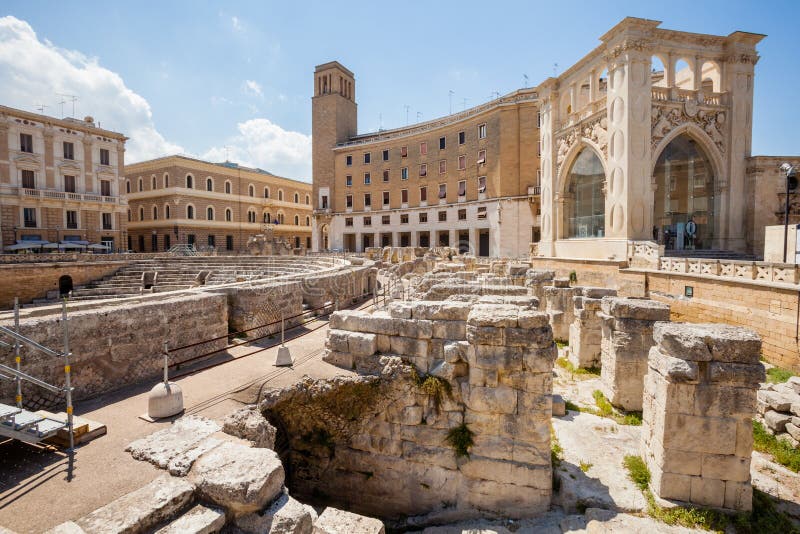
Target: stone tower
334,120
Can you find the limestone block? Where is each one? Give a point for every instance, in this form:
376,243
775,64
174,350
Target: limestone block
714,400
740,374
793,430
788,439
485,335
532,319
726,467
407,346
449,330
704,342
492,400
794,383
337,340
707,492
199,520
419,328
514,501
597,293
559,406
640,309
738,496
507,472
441,310
180,464
361,344
671,485
248,423
449,371
673,369
242,479
143,509
382,343
523,301
284,516
775,401
64,528
348,320
493,315
455,351
333,521
344,360
561,282
700,434
160,447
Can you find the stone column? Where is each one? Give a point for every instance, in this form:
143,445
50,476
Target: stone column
558,305
585,332
547,121
627,338
699,399
536,280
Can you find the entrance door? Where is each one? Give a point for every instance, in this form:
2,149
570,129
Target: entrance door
463,241
64,285
483,243
425,239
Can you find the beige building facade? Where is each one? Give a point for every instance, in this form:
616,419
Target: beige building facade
181,200
60,181
468,180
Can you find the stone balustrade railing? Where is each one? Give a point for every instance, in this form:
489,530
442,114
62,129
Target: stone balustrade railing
786,273
644,253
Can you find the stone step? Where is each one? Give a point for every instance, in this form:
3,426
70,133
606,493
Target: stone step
199,520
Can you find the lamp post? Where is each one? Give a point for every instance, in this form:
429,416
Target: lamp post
791,184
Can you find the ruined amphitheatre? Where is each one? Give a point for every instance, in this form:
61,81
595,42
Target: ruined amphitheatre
603,377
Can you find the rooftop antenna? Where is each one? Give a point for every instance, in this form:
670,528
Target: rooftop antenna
555,70
41,107
62,107
72,98
525,80
380,121
407,108
451,93
227,150
494,94
419,116
464,103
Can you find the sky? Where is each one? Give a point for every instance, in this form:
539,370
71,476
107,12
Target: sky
234,80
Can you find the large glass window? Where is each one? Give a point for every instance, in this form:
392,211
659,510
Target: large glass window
586,211
683,215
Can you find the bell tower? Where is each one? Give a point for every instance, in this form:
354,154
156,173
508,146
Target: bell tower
334,119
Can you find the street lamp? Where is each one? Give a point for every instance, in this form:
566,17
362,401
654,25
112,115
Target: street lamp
791,184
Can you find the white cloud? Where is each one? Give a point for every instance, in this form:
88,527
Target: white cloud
237,24
263,144
252,87
34,71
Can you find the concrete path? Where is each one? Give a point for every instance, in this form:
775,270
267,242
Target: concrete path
36,490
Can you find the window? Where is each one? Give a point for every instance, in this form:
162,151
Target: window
155,213
348,160
166,180
28,179
210,213
251,190
482,131
443,191
386,198
308,200
105,157
462,162
166,211
367,200
266,192
404,218
229,242
386,219
296,198
72,219
385,155
189,182
297,220
107,221
324,202
442,166
482,212
404,173
442,143
308,220
348,221
69,150
586,208
141,214
127,186
29,216
228,215
267,218
280,195
462,188
348,180
423,194
423,148
538,119
462,215
130,217
251,216
153,182
26,143
462,138
423,169
141,185
481,157
228,188
538,177
212,242
386,175
367,158
367,178
367,221
442,216
69,184
403,151
209,184
423,217
105,188
190,212
481,184
404,196
349,201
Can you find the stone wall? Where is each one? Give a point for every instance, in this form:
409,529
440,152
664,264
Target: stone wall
699,401
341,287
262,304
118,345
378,443
600,273
29,281
585,331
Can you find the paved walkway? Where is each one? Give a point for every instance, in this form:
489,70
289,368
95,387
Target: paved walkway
36,491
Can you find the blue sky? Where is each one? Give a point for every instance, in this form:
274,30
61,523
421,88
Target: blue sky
210,74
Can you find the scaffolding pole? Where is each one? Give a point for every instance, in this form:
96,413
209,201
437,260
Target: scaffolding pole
67,373
17,358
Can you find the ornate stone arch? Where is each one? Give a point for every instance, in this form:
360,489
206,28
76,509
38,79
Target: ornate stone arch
572,155
695,132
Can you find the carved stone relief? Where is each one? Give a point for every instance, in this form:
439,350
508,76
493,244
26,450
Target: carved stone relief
665,119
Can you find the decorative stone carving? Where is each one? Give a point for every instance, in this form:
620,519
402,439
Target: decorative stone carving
594,129
665,119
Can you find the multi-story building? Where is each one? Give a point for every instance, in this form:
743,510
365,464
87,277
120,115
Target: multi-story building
60,181
181,200
469,180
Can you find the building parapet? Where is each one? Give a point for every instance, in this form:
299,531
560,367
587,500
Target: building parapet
55,194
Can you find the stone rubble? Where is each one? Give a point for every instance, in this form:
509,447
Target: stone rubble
778,408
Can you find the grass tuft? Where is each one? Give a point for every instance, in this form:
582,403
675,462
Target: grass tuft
637,471
776,375
460,438
561,343
567,366
433,386
585,466
781,451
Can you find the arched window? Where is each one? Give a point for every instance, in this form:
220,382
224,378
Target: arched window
140,185
189,181
141,214
209,184
297,220
585,208
308,220
228,215
227,188
266,192
251,216
153,182
308,200
129,215
280,218
280,194
166,211
190,212
210,213
251,190
296,198
267,217
155,213
166,180
683,207
127,186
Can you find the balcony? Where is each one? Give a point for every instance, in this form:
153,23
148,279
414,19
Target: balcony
534,190
53,194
